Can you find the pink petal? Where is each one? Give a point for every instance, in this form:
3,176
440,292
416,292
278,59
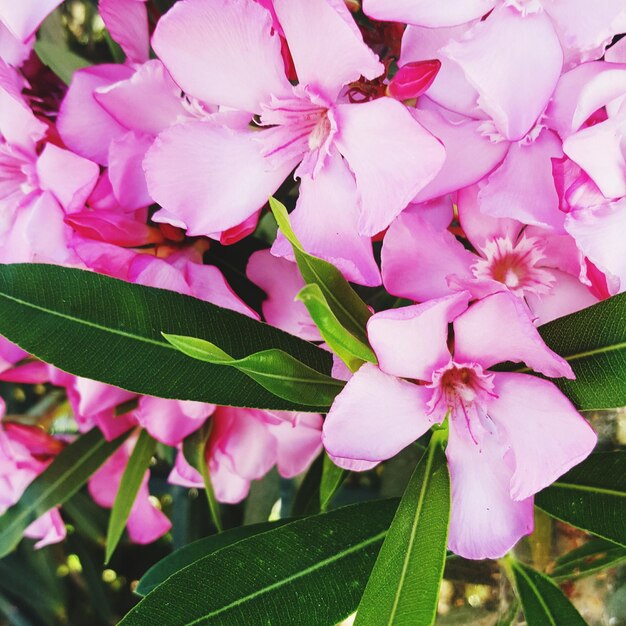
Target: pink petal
600,233
299,442
617,52
95,396
522,188
146,523
375,416
9,355
418,257
547,436
530,63
470,154
222,52
412,341
127,22
485,523
327,49
48,529
331,198
426,12
450,88
391,156
499,329
69,177
581,92
12,49
147,102
353,465
281,281
170,421
23,17
195,172
85,127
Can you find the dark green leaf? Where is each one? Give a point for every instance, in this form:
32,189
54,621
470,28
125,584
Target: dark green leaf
350,350
344,302
311,571
277,371
67,473
332,478
543,603
60,59
307,500
593,341
198,550
404,587
45,309
591,496
132,478
590,558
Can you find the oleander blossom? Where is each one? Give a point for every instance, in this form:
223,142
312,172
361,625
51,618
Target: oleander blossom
510,434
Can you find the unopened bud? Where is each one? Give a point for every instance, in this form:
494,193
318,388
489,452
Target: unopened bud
413,79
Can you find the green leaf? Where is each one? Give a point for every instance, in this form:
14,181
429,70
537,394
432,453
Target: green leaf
590,558
311,571
197,550
543,603
404,586
277,371
352,351
591,496
67,473
307,500
194,451
332,478
344,302
132,478
46,308
60,59
593,341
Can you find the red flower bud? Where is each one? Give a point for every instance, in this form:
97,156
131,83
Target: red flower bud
413,79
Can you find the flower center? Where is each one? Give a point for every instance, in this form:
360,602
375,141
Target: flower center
297,128
463,391
18,176
516,265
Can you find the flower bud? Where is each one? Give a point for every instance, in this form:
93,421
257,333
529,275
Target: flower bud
413,79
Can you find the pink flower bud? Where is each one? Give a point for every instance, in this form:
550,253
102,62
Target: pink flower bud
413,79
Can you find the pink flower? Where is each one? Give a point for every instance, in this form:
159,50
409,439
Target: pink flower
245,444
421,261
146,523
25,452
359,164
510,434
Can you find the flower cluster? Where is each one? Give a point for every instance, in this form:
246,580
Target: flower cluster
466,157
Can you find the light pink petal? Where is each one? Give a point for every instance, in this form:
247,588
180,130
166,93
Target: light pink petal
529,62
299,442
426,12
617,52
12,49
412,341
48,529
450,88
85,127
146,523
69,177
229,487
584,33
95,396
196,172
170,421
499,329
223,52
546,434
522,188
281,281
600,150
331,198
600,233
485,523
127,23
183,474
23,17
147,102
568,295
581,92
418,257
480,227
128,180
375,416
391,156
470,154
327,50
353,465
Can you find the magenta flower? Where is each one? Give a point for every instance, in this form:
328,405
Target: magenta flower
360,164
510,434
